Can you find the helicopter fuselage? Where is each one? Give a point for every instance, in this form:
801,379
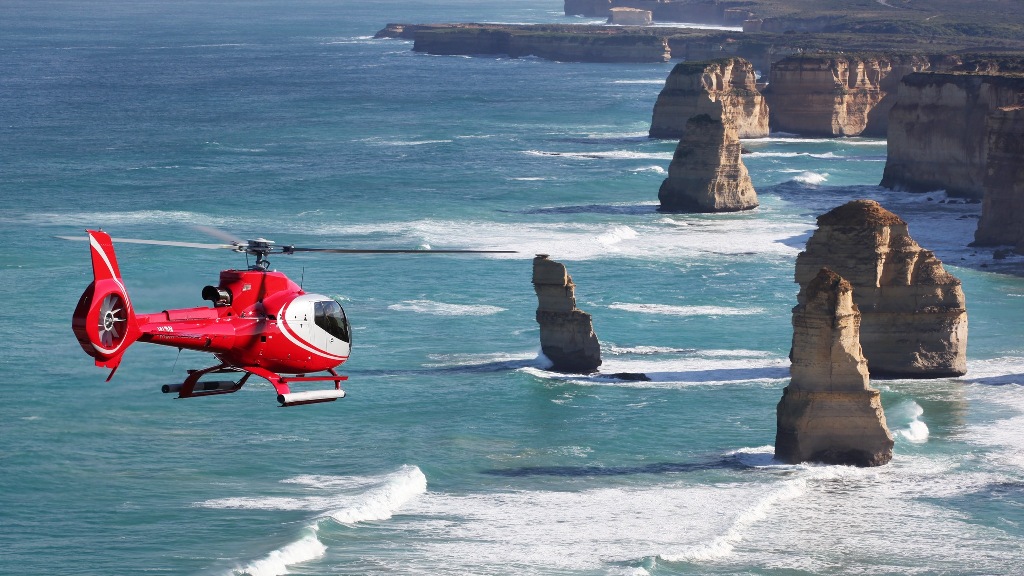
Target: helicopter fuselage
258,319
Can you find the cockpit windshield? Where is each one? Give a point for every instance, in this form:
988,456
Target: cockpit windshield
330,316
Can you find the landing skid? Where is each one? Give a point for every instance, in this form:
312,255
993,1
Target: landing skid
193,388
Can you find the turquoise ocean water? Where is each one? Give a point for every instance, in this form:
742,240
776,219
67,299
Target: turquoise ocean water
455,452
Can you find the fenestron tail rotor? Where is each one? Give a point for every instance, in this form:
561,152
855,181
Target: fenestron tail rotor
113,320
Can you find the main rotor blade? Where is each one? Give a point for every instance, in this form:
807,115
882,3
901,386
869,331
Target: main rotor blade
159,243
288,249
218,233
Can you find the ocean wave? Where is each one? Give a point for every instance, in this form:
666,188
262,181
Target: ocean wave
605,155
778,138
910,412
277,562
810,178
655,169
617,234
658,82
445,309
343,499
672,310
821,156
690,370
728,234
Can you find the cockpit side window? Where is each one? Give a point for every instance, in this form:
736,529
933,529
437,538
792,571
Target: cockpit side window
330,316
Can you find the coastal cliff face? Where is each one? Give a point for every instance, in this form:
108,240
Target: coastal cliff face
1002,210
914,316
559,46
567,335
707,173
834,96
829,413
724,89
937,131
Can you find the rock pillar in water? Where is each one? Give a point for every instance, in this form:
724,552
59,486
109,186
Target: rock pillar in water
724,89
914,315
566,333
707,173
829,412
1002,209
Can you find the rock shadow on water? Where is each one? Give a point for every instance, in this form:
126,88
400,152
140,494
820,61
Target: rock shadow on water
732,461
1001,380
622,209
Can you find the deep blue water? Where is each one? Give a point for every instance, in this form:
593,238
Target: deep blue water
455,452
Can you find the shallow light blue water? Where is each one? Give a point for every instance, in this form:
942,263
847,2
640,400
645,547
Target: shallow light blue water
455,452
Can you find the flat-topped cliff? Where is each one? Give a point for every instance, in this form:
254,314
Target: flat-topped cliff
607,44
1002,209
724,89
835,95
914,314
937,135
707,173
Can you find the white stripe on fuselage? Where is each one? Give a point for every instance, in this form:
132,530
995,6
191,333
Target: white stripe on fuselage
298,341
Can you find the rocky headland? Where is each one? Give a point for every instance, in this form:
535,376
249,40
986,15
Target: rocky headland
829,413
914,315
567,335
939,131
1002,210
724,89
836,95
707,173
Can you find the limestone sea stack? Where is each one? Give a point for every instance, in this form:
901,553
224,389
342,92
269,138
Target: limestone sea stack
1002,209
566,333
707,173
914,315
724,89
829,413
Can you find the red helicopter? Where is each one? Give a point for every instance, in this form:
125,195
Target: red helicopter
260,322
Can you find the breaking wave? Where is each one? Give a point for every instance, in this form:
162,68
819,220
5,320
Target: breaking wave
445,309
672,310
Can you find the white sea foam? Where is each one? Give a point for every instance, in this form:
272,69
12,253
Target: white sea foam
677,372
728,234
674,310
778,138
569,530
445,309
655,169
916,430
605,155
811,178
617,234
657,82
277,562
822,156
344,499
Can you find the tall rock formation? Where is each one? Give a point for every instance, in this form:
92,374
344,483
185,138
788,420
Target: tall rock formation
829,412
566,333
725,89
937,130
1002,210
835,95
914,316
707,173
